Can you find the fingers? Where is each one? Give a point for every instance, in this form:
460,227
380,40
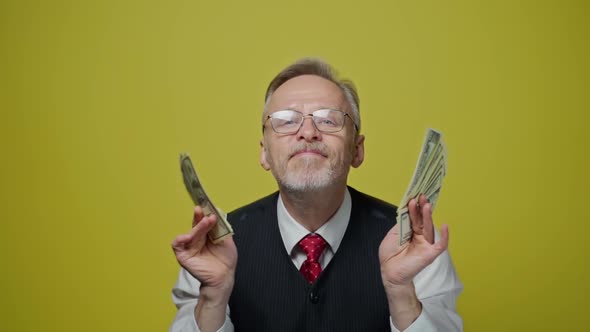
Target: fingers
415,216
200,230
197,215
443,243
421,217
197,237
389,247
201,226
180,242
427,222
423,200
392,237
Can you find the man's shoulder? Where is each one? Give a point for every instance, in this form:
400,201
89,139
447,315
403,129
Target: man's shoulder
366,198
257,207
376,206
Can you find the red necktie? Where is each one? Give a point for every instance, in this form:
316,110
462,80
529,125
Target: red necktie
313,245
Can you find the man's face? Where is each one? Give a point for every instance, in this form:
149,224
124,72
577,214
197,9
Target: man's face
310,159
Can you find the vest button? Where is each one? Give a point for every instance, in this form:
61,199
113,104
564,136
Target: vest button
314,297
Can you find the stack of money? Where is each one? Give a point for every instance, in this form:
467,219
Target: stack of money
222,228
427,179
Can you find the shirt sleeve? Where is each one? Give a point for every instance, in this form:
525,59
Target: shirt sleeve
185,295
437,288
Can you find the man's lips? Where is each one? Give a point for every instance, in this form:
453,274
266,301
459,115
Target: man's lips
308,151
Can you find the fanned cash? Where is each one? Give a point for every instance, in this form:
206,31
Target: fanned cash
222,228
427,179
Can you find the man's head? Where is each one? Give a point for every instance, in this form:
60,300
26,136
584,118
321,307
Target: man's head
317,67
310,155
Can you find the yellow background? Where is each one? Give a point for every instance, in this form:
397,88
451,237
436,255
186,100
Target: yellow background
97,99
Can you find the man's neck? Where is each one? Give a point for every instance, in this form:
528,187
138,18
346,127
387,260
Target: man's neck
312,209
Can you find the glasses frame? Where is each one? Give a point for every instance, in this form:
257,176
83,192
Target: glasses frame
304,116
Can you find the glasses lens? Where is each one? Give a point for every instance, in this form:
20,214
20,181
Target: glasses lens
285,121
328,120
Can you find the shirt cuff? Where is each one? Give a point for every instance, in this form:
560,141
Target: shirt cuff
223,328
226,327
422,324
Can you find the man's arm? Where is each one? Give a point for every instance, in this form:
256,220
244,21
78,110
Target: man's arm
185,295
212,266
414,304
437,288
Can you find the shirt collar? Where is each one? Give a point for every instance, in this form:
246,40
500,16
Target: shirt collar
332,231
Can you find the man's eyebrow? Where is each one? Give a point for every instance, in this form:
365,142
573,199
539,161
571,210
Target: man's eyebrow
293,107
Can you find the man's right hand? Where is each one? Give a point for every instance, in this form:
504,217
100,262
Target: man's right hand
213,265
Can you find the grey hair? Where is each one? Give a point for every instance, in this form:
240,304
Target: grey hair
317,67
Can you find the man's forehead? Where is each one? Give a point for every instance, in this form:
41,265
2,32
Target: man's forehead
307,90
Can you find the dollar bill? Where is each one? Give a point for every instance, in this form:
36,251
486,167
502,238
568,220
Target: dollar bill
222,228
429,173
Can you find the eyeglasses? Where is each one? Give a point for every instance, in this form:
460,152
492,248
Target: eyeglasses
325,120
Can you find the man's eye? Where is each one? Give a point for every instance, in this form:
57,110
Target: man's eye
284,122
325,121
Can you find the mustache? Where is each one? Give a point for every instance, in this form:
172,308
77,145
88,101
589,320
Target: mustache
303,147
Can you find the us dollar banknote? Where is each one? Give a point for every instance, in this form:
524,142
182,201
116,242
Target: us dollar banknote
222,228
429,173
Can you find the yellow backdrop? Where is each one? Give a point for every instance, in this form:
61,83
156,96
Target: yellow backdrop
99,97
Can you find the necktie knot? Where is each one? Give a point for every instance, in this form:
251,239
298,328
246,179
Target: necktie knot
313,245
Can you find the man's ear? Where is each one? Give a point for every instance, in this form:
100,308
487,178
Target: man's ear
263,161
359,151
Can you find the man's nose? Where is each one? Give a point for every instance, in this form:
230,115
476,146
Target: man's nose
308,130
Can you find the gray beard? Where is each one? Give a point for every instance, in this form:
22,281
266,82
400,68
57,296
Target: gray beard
307,179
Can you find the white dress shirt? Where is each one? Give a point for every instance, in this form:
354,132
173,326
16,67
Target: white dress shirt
437,286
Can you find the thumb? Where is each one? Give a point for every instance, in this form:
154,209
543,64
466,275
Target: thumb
390,244
196,238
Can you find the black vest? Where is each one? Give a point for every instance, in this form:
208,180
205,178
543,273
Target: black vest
270,294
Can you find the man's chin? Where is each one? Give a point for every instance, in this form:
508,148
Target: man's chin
306,182
303,187
306,162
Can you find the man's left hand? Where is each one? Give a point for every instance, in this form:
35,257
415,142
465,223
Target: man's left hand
399,265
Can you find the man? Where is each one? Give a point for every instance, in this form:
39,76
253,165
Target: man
318,255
